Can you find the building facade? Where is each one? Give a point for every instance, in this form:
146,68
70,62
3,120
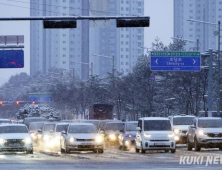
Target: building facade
76,48
201,10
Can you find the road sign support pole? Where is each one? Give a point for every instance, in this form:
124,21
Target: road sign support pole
210,77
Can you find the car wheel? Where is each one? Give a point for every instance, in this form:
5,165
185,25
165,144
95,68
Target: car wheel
196,145
29,152
137,150
100,151
173,150
166,151
220,148
120,147
142,150
67,149
189,145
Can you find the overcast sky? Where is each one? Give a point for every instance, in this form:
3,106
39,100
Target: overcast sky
161,25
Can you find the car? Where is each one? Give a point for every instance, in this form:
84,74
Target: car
127,135
180,127
81,137
5,121
15,137
155,133
112,132
102,123
28,120
54,137
205,132
33,130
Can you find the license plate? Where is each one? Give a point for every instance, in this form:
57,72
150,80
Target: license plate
14,145
86,143
156,144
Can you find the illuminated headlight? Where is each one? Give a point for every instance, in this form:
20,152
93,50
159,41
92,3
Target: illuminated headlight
128,135
46,138
71,139
2,141
27,141
146,135
39,136
171,135
176,138
201,133
99,139
127,143
112,137
176,131
57,139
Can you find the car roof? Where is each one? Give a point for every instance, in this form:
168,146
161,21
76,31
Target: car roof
1,125
154,118
208,118
114,122
63,123
4,119
37,122
131,122
184,116
33,118
81,124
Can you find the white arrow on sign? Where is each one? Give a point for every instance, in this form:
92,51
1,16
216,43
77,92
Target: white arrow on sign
156,61
194,61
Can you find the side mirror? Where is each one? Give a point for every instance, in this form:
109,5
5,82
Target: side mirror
39,130
192,126
138,128
64,132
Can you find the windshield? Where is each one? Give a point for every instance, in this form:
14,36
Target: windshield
60,128
35,126
82,129
49,127
216,123
157,125
131,126
13,129
182,120
114,126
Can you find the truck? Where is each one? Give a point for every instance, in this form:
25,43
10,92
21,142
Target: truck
101,111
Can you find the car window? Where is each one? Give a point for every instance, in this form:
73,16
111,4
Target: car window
35,126
114,126
49,127
82,129
182,120
157,125
13,129
216,123
60,128
130,126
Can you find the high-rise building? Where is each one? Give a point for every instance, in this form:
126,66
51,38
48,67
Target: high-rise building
122,43
74,48
201,10
60,48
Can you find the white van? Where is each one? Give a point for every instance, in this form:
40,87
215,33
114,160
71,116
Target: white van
155,133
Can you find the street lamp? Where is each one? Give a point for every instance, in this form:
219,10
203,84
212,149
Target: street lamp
215,25
197,42
167,104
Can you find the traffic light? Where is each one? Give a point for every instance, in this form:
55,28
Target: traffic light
59,24
33,102
17,102
1,103
132,22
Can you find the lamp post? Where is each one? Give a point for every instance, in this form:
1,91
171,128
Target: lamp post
215,25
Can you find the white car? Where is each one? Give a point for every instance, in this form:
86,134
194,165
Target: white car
205,132
155,133
15,137
81,137
180,127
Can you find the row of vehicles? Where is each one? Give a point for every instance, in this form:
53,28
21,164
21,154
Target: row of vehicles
150,133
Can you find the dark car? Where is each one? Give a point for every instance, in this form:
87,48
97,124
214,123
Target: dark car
128,135
33,129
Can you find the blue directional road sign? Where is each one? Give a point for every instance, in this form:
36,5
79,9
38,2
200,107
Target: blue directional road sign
11,58
175,61
40,97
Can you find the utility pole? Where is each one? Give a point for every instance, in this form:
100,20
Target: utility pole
92,69
210,76
218,93
198,44
113,65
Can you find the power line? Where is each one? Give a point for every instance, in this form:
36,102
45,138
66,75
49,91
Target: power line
31,8
82,9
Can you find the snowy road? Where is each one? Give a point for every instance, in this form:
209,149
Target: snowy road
111,159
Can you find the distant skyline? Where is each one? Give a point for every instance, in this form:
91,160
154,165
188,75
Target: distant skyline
160,12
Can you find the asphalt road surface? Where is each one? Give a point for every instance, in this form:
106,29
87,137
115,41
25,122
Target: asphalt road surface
110,159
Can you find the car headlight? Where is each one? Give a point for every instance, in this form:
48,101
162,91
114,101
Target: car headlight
27,141
176,131
2,141
57,139
176,138
71,139
99,139
171,135
46,137
128,135
201,133
146,135
112,137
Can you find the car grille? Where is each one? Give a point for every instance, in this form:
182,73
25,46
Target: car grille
214,135
85,146
159,140
156,146
84,140
14,142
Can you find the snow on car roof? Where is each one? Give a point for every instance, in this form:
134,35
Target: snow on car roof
203,118
155,118
184,116
12,125
78,124
132,122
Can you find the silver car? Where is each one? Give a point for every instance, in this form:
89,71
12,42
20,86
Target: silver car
81,137
15,137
